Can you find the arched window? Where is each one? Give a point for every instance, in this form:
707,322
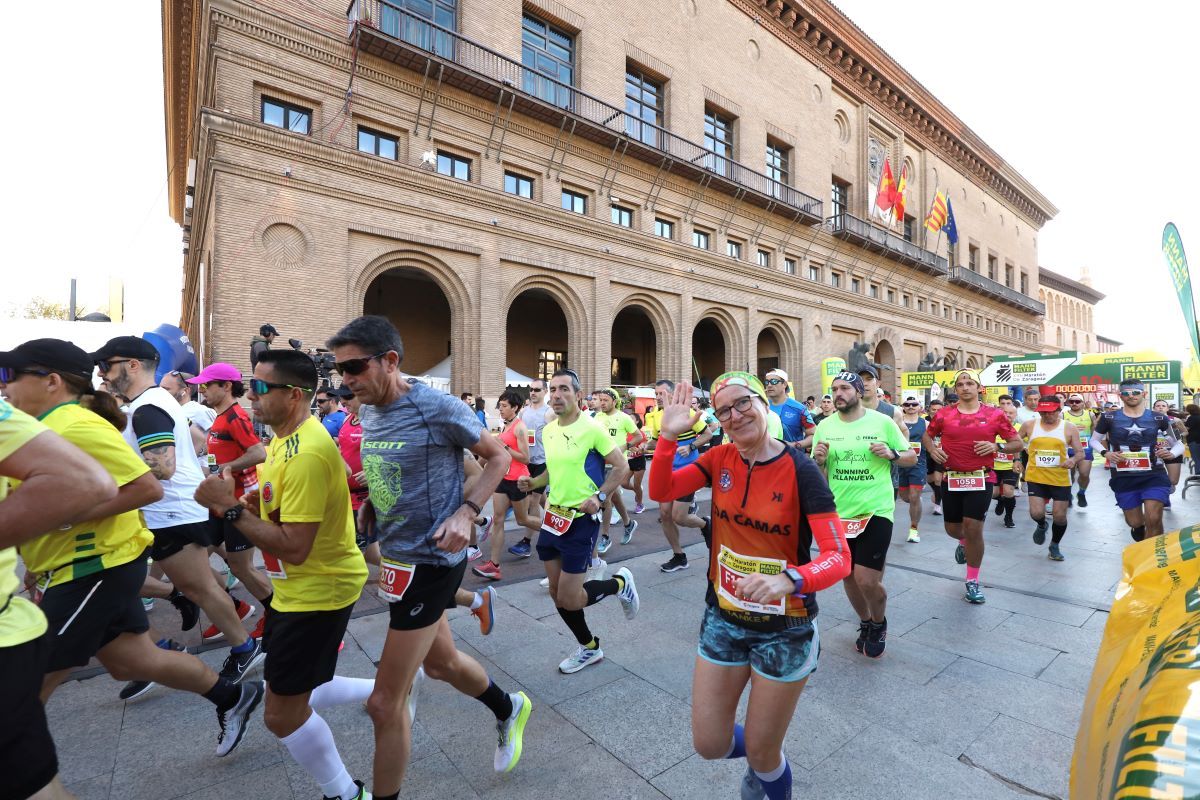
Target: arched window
1059,336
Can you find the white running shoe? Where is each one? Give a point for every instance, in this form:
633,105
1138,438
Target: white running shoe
630,602
582,657
914,536
510,733
544,583
937,509
595,572
233,722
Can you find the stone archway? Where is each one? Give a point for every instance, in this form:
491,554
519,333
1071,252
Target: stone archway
642,340
787,348
885,357
710,352
552,294
769,352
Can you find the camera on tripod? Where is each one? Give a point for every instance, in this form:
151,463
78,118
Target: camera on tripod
322,359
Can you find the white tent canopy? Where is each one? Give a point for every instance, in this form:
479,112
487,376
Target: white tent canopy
441,372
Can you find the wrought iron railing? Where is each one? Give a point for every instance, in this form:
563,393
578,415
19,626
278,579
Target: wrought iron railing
866,233
996,289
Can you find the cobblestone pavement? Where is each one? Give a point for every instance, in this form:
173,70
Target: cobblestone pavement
968,701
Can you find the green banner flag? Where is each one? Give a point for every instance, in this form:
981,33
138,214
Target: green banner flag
1181,279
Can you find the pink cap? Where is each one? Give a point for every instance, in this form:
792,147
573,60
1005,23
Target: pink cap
218,371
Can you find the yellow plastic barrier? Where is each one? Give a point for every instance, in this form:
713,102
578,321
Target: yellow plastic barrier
1140,732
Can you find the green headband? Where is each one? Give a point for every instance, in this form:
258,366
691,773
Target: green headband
746,379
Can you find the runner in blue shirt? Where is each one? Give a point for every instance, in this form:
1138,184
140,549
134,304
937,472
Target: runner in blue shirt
795,417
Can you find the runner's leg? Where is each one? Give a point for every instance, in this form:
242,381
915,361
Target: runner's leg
189,572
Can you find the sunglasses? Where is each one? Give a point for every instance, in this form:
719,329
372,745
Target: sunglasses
1074,402
536,389
262,387
742,405
9,374
774,381
1132,393
356,366
911,405
106,365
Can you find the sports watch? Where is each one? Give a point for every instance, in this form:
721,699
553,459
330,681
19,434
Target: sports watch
796,578
233,514
602,497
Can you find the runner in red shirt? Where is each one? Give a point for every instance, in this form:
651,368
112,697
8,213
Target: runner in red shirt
349,442
232,443
968,447
769,503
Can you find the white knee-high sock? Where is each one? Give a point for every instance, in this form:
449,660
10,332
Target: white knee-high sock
313,748
341,690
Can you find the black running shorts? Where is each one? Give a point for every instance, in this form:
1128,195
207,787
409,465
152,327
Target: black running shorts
89,612
223,532
28,760
169,541
971,505
1045,491
302,648
429,594
869,548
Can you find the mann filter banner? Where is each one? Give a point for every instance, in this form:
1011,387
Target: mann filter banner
1181,279
829,368
1139,736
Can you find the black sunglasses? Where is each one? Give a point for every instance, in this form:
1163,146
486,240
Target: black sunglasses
356,366
262,387
107,364
9,374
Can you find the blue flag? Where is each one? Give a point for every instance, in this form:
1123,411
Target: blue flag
950,228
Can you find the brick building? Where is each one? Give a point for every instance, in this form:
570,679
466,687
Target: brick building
651,189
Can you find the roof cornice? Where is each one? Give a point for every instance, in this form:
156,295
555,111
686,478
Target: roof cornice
178,32
1061,283
859,66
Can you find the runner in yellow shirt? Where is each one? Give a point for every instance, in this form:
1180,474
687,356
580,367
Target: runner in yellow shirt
1054,448
302,522
1007,477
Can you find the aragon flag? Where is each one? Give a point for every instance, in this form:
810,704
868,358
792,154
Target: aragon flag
937,213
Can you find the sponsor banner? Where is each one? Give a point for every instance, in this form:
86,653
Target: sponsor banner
1112,374
1032,372
1181,279
1152,371
1121,357
1139,736
1165,391
829,368
919,381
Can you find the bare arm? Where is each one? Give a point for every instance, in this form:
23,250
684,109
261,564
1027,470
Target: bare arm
199,439
141,491
290,542
161,460
255,454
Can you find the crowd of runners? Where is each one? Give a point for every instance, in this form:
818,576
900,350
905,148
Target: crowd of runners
392,473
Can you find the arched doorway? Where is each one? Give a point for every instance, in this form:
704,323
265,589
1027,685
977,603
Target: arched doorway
885,356
634,348
770,354
708,352
418,308
536,331
972,363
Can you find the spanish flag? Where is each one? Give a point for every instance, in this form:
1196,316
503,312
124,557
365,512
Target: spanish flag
937,213
898,206
885,195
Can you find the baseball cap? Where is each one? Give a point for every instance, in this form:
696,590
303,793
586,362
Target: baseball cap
217,371
826,397
779,374
343,392
127,346
1049,404
267,329
867,369
54,354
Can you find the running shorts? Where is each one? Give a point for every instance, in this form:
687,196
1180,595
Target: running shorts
574,547
223,532
971,505
1008,477
169,541
89,612
536,469
787,655
1046,491
1134,498
913,477
637,464
869,548
509,489
429,594
28,760
302,648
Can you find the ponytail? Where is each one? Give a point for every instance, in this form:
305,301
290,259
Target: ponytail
102,404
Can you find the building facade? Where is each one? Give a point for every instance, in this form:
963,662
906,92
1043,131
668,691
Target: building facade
1069,307
669,188
1106,345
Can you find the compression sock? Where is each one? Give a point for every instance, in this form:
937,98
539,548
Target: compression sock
598,590
498,701
972,573
778,782
476,601
340,691
224,694
937,493
578,625
312,747
737,747
1057,532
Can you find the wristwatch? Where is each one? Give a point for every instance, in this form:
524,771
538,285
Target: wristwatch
233,514
601,496
796,578
895,455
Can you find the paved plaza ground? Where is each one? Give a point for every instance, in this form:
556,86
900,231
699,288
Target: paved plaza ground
968,701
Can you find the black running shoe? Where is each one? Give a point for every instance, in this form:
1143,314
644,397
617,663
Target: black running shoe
189,612
1008,522
233,722
238,664
999,507
678,562
135,689
876,639
1039,533
861,642
1082,497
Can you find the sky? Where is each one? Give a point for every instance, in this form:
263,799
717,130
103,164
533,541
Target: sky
1090,103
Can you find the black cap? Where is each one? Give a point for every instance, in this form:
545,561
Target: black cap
127,346
342,392
867,369
54,354
268,330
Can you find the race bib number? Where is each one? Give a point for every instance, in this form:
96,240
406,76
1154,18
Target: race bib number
966,481
531,439
394,579
557,520
1135,461
732,567
274,567
1047,458
915,446
1005,458
213,469
856,525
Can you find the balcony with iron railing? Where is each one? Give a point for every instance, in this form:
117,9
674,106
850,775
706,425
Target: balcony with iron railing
862,233
964,276
446,58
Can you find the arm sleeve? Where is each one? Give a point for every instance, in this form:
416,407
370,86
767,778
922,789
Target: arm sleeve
153,427
832,562
1099,433
305,485
667,483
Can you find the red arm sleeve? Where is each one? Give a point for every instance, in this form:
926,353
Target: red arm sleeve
667,483
832,563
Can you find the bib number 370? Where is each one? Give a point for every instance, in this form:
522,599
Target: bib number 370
394,579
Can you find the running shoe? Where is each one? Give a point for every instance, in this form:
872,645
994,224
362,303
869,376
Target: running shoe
582,657
914,536
752,788
999,507
1018,493
544,583
627,537
189,612
361,794
596,571
413,692
614,516
1039,533
485,530
974,593
522,549
257,633
233,722
135,689
489,569
639,508
486,613
474,553
861,642
604,544
1055,554
937,509
148,604
231,581
510,733
212,632
237,665
1008,522
630,603
1082,497
693,508
678,562
960,554
876,639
